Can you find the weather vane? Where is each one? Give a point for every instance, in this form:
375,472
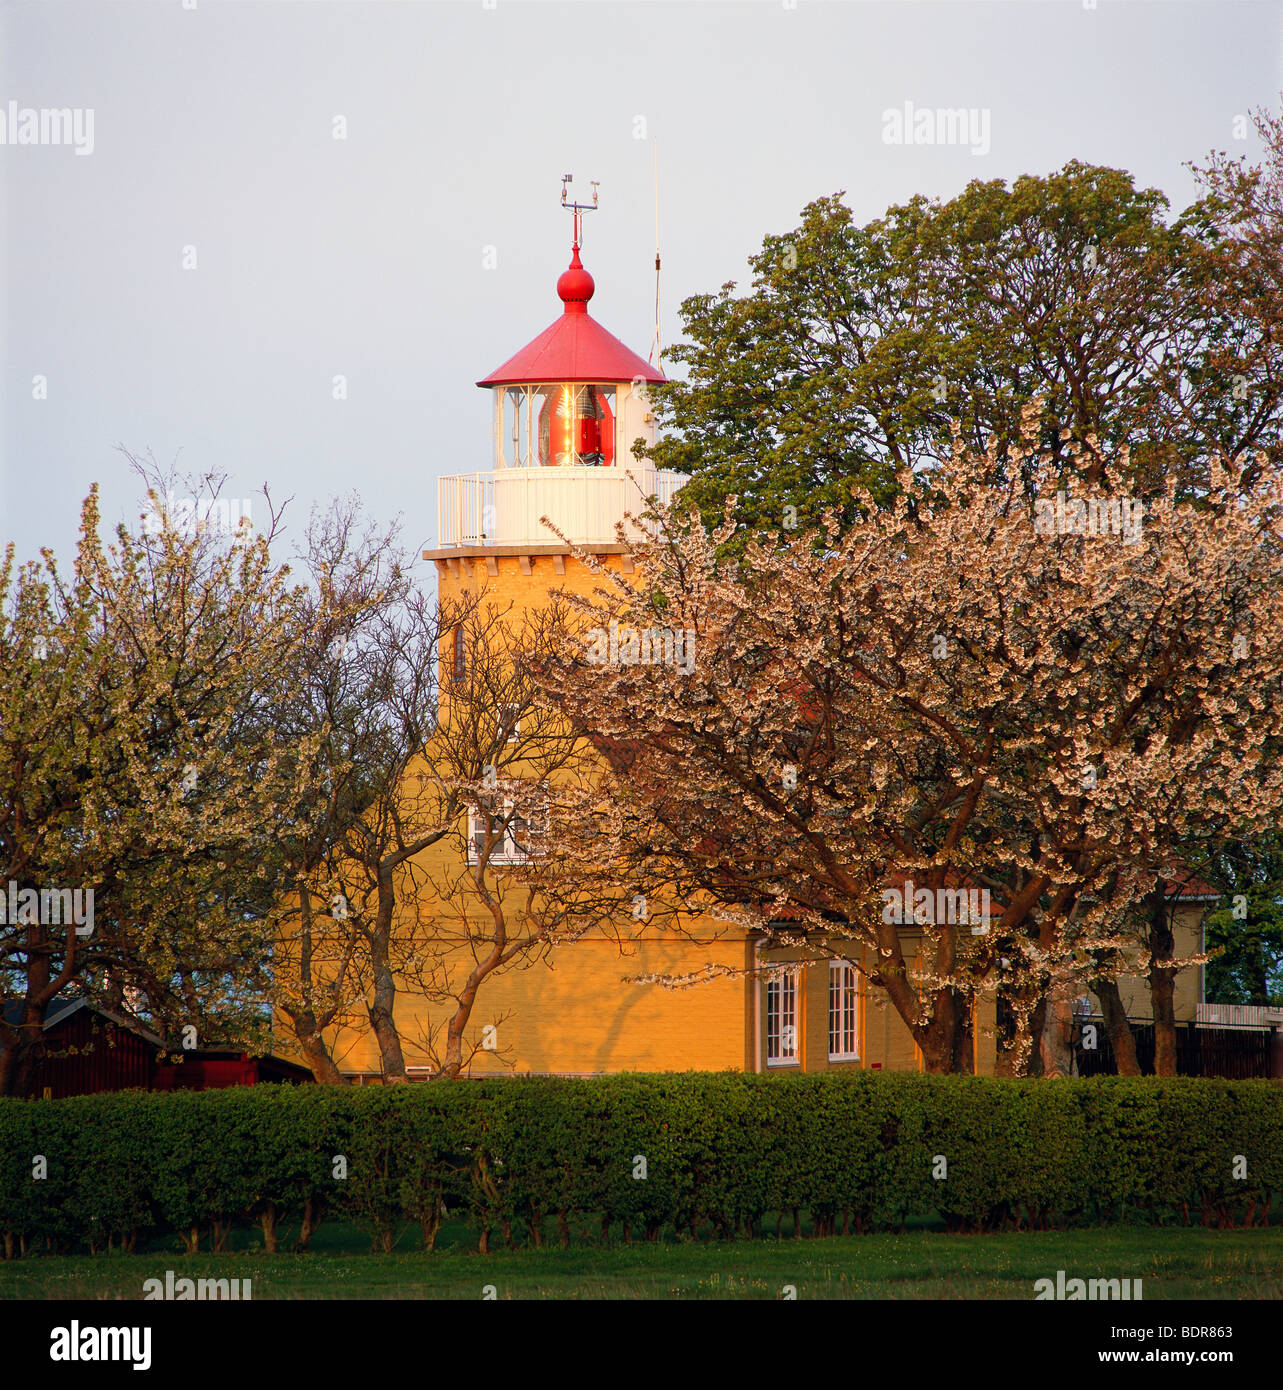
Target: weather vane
578,208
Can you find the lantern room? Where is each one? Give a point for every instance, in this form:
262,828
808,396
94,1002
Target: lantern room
568,410
575,396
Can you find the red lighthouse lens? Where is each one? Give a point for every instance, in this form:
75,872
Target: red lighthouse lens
575,427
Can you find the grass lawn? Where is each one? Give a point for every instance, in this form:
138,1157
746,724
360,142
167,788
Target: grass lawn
1174,1263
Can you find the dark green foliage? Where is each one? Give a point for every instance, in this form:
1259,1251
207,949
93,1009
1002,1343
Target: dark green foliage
545,1158
855,348
1246,930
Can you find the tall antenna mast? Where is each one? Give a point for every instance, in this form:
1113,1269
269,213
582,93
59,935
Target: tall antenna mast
656,351
578,208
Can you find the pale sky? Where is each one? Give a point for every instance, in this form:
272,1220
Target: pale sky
213,128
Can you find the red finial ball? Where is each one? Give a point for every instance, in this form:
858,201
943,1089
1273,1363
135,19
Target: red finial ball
575,286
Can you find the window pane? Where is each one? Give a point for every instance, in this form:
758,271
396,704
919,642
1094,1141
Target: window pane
772,1020
834,1012
788,1017
843,1004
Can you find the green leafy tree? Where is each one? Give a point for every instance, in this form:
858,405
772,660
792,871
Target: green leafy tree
1246,931
857,348
139,763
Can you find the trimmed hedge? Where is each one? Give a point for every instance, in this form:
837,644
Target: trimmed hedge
722,1153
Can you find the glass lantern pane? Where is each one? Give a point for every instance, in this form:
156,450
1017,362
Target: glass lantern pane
576,426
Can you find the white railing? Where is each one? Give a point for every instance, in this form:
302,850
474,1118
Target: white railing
1238,1015
505,507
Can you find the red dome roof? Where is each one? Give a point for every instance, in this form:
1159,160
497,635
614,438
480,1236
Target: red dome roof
575,347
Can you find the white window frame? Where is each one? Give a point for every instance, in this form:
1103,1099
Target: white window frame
506,850
782,1007
513,710
844,1012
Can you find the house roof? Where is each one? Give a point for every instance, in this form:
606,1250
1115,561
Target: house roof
60,1010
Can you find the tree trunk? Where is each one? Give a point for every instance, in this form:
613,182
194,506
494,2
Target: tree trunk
452,1063
430,1225
19,1056
1004,1060
18,1061
1121,1037
381,1023
317,1056
383,1001
1162,982
307,1032
942,1042
267,1219
1037,1022
24,1077
1056,1039
946,1042
1020,1022
1162,986
311,1222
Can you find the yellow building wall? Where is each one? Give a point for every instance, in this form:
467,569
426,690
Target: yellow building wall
575,1011
884,1040
1188,937
502,581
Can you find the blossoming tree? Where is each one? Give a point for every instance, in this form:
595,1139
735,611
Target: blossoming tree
955,689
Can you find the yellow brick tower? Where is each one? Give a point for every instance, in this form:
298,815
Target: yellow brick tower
567,410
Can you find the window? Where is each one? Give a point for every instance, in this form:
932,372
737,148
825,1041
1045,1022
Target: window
781,1020
510,844
843,1012
460,665
513,834
509,723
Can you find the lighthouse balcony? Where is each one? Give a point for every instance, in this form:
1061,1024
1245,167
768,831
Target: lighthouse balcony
585,504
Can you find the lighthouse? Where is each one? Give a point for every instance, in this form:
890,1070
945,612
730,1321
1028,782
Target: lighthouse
567,411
